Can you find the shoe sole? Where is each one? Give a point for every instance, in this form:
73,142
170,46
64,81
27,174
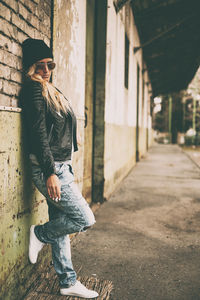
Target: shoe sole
78,295
30,246
32,261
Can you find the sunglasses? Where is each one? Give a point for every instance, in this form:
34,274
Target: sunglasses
42,66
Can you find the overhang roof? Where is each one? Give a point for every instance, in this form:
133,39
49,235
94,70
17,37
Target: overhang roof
170,39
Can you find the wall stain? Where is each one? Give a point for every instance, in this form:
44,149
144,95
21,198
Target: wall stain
22,213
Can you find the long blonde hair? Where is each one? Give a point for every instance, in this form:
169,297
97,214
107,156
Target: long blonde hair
53,97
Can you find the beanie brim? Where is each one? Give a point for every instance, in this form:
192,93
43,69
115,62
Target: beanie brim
34,50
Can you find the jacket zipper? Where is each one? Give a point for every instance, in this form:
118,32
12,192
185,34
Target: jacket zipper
50,133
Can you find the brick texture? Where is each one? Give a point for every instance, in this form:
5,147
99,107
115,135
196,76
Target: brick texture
19,19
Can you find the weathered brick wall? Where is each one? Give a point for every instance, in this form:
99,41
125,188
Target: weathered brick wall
19,20
20,204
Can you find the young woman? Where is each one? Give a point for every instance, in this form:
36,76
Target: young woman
51,127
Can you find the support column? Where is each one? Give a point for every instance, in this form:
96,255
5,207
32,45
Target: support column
99,101
170,119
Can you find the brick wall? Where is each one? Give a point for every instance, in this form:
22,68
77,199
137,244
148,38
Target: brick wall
20,204
19,20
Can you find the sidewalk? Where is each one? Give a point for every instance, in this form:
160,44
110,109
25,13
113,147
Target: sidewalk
193,153
147,236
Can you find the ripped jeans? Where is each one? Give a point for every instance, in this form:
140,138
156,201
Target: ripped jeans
71,214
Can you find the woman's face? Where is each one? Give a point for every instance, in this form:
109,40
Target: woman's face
44,68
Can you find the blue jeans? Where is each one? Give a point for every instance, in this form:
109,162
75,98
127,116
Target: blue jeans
71,214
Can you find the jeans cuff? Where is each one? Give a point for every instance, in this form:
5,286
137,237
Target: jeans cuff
67,285
36,233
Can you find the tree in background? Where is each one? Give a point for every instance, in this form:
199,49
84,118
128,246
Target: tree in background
177,115
161,120
184,113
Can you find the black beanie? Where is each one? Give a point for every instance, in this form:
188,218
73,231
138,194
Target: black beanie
34,50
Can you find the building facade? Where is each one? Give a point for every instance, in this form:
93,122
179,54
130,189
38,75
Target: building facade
107,84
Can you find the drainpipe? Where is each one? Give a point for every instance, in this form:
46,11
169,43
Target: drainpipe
194,119
170,119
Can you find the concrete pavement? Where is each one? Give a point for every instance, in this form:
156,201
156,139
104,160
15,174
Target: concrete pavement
147,236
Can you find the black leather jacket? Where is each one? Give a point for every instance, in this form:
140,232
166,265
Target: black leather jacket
50,135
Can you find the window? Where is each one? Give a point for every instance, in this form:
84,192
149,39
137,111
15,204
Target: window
126,64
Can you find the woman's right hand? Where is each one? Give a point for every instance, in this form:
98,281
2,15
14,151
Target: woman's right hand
53,187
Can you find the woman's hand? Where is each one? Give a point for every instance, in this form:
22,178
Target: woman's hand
53,187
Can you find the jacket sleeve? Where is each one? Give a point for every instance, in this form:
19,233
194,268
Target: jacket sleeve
35,114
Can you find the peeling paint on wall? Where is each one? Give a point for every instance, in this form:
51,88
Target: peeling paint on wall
69,45
69,51
20,205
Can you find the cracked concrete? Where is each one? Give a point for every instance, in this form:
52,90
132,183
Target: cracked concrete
147,236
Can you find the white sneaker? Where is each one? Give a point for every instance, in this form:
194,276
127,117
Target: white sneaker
34,246
78,290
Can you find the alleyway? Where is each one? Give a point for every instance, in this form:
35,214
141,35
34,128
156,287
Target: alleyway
147,236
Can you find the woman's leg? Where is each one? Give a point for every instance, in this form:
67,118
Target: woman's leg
61,254
75,213
71,214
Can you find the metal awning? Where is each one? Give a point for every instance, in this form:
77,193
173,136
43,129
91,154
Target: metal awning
170,40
